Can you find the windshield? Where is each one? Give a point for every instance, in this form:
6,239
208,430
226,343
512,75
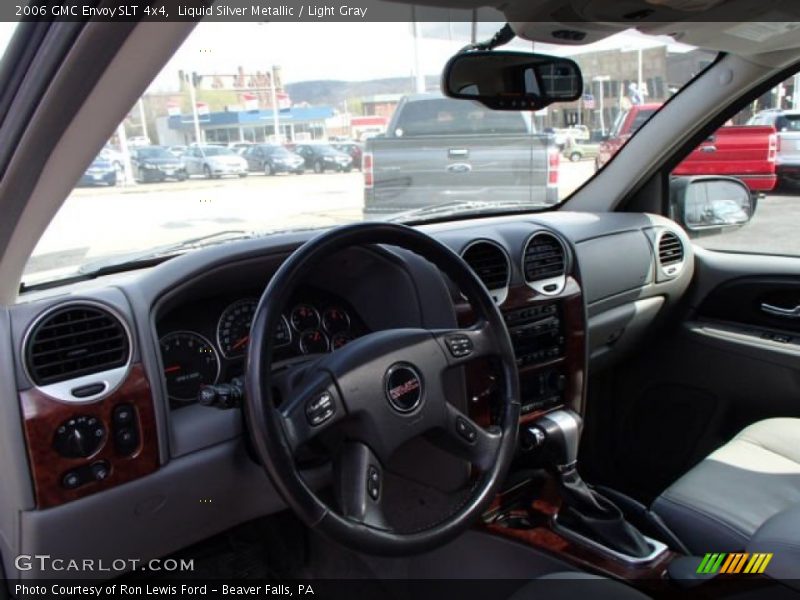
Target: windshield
420,156
154,153
445,116
277,151
217,151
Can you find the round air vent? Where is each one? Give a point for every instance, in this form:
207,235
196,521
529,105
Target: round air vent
544,263
670,253
77,351
490,263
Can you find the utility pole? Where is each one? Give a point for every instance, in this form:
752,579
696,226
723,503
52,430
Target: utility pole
275,118
143,119
419,76
796,92
127,169
190,77
639,80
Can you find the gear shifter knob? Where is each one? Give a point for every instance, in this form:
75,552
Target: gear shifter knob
562,433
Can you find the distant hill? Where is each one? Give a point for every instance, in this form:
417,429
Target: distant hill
331,92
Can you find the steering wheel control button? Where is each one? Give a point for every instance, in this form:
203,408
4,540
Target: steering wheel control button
465,429
71,480
79,437
459,345
403,387
373,482
100,470
320,408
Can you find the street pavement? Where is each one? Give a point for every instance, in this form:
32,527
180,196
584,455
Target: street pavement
102,221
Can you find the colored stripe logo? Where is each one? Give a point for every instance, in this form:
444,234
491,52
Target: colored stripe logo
734,563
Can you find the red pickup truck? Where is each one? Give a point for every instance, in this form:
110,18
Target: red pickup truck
746,152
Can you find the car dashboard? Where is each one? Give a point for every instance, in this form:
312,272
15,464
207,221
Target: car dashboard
103,375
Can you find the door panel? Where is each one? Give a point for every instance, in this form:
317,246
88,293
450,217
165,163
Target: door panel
722,364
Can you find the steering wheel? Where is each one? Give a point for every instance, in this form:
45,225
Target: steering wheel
380,390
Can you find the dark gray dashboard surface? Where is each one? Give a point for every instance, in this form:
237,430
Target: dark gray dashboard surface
388,287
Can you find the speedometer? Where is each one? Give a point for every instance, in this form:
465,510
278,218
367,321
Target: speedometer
190,362
233,328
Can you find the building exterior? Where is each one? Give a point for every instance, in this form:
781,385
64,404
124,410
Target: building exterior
380,105
299,123
611,84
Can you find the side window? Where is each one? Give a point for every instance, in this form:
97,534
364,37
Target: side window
760,146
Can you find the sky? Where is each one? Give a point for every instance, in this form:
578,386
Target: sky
346,51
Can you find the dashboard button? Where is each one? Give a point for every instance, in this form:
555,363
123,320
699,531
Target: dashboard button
123,414
85,391
100,470
71,480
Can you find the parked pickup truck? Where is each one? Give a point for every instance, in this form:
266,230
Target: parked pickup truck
439,150
745,152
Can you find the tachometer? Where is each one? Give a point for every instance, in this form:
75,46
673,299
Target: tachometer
190,362
233,328
335,320
313,341
304,316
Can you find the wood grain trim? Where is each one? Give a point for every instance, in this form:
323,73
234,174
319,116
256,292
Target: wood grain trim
572,364
42,416
542,536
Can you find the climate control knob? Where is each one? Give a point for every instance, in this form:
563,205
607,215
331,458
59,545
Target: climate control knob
79,437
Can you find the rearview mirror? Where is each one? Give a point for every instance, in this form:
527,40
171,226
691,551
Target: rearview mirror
706,205
512,80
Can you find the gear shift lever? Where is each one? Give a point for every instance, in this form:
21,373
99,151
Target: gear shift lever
583,511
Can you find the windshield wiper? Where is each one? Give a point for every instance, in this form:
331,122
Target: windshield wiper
462,207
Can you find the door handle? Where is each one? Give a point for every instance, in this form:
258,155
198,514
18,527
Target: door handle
779,311
708,148
457,152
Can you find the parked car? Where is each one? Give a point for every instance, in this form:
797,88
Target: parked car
353,149
581,151
745,152
324,157
438,149
101,172
178,151
272,159
240,147
576,133
113,156
787,126
156,163
213,161
138,140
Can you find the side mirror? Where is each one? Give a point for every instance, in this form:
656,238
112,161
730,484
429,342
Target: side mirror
512,80
710,204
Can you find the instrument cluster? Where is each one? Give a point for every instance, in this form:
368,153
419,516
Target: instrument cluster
202,346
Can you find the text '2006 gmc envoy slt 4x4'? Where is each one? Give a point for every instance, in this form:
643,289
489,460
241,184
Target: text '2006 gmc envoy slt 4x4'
517,316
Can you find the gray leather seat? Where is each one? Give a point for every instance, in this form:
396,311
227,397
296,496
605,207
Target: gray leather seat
720,503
